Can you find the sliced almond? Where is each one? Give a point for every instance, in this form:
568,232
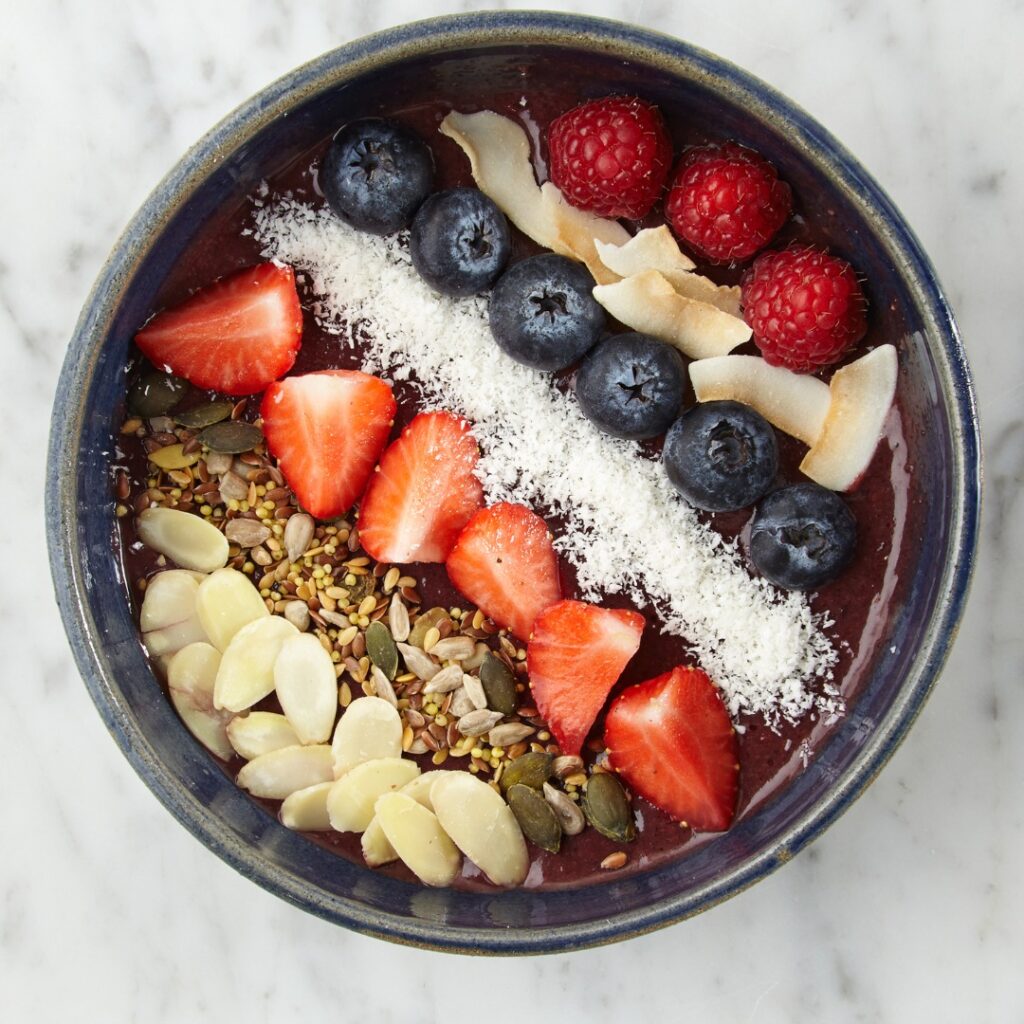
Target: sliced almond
171,639
377,851
370,728
280,773
861,395
648,303
417,837
796,403
499,158
351,800
420,788
246,672
307,687
305,810
482,826
650,249
226,601
190,677
260,732
170,598
188,540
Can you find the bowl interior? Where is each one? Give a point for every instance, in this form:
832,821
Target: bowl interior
853,216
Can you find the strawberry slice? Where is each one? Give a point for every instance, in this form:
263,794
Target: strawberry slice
575,656
326,431
671,739
235,336
423,493
504,562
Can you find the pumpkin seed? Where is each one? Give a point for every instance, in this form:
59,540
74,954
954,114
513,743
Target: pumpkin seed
499,685
533,770
380,646
567,811
232,437
201,416
155,393
535,817
607,809
427,621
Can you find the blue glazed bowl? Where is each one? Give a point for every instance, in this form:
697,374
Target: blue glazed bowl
285,120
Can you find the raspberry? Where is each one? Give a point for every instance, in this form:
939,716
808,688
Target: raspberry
726,201
611,156
805,307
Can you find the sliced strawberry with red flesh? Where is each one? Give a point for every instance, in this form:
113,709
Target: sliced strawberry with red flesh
504,562
575,657
235,336
326,431
423,492
671,740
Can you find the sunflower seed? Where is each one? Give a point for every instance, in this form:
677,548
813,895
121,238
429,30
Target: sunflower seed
417,662
297,613
418,747
480,651
461,704
233,487
509,733
247,533
217,463
297,534
566,765
475,691
445,681
382,686
476,723
569,815
398,618
454,648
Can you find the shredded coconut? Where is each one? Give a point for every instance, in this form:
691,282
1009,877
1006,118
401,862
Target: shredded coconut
627,531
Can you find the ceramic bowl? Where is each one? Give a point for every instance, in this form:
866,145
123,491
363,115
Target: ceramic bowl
284,120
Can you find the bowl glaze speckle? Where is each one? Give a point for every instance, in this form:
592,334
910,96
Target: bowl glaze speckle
284,120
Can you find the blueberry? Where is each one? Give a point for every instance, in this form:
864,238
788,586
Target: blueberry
459,241
802,536
544,314
721,456
376,174
631,386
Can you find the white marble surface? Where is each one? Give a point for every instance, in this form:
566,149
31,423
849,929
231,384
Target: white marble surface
909,909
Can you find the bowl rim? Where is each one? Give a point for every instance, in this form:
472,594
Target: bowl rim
467,31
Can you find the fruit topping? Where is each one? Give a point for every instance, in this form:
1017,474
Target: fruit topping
802,536
631,386
375,175
234,336
795,403
672,741
326,431
575,656
611,156
862,393
481,825
190,678
649,303
721,456
726,201
505,563
187,540
499,156
459,241
542,312
805,307
423,492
